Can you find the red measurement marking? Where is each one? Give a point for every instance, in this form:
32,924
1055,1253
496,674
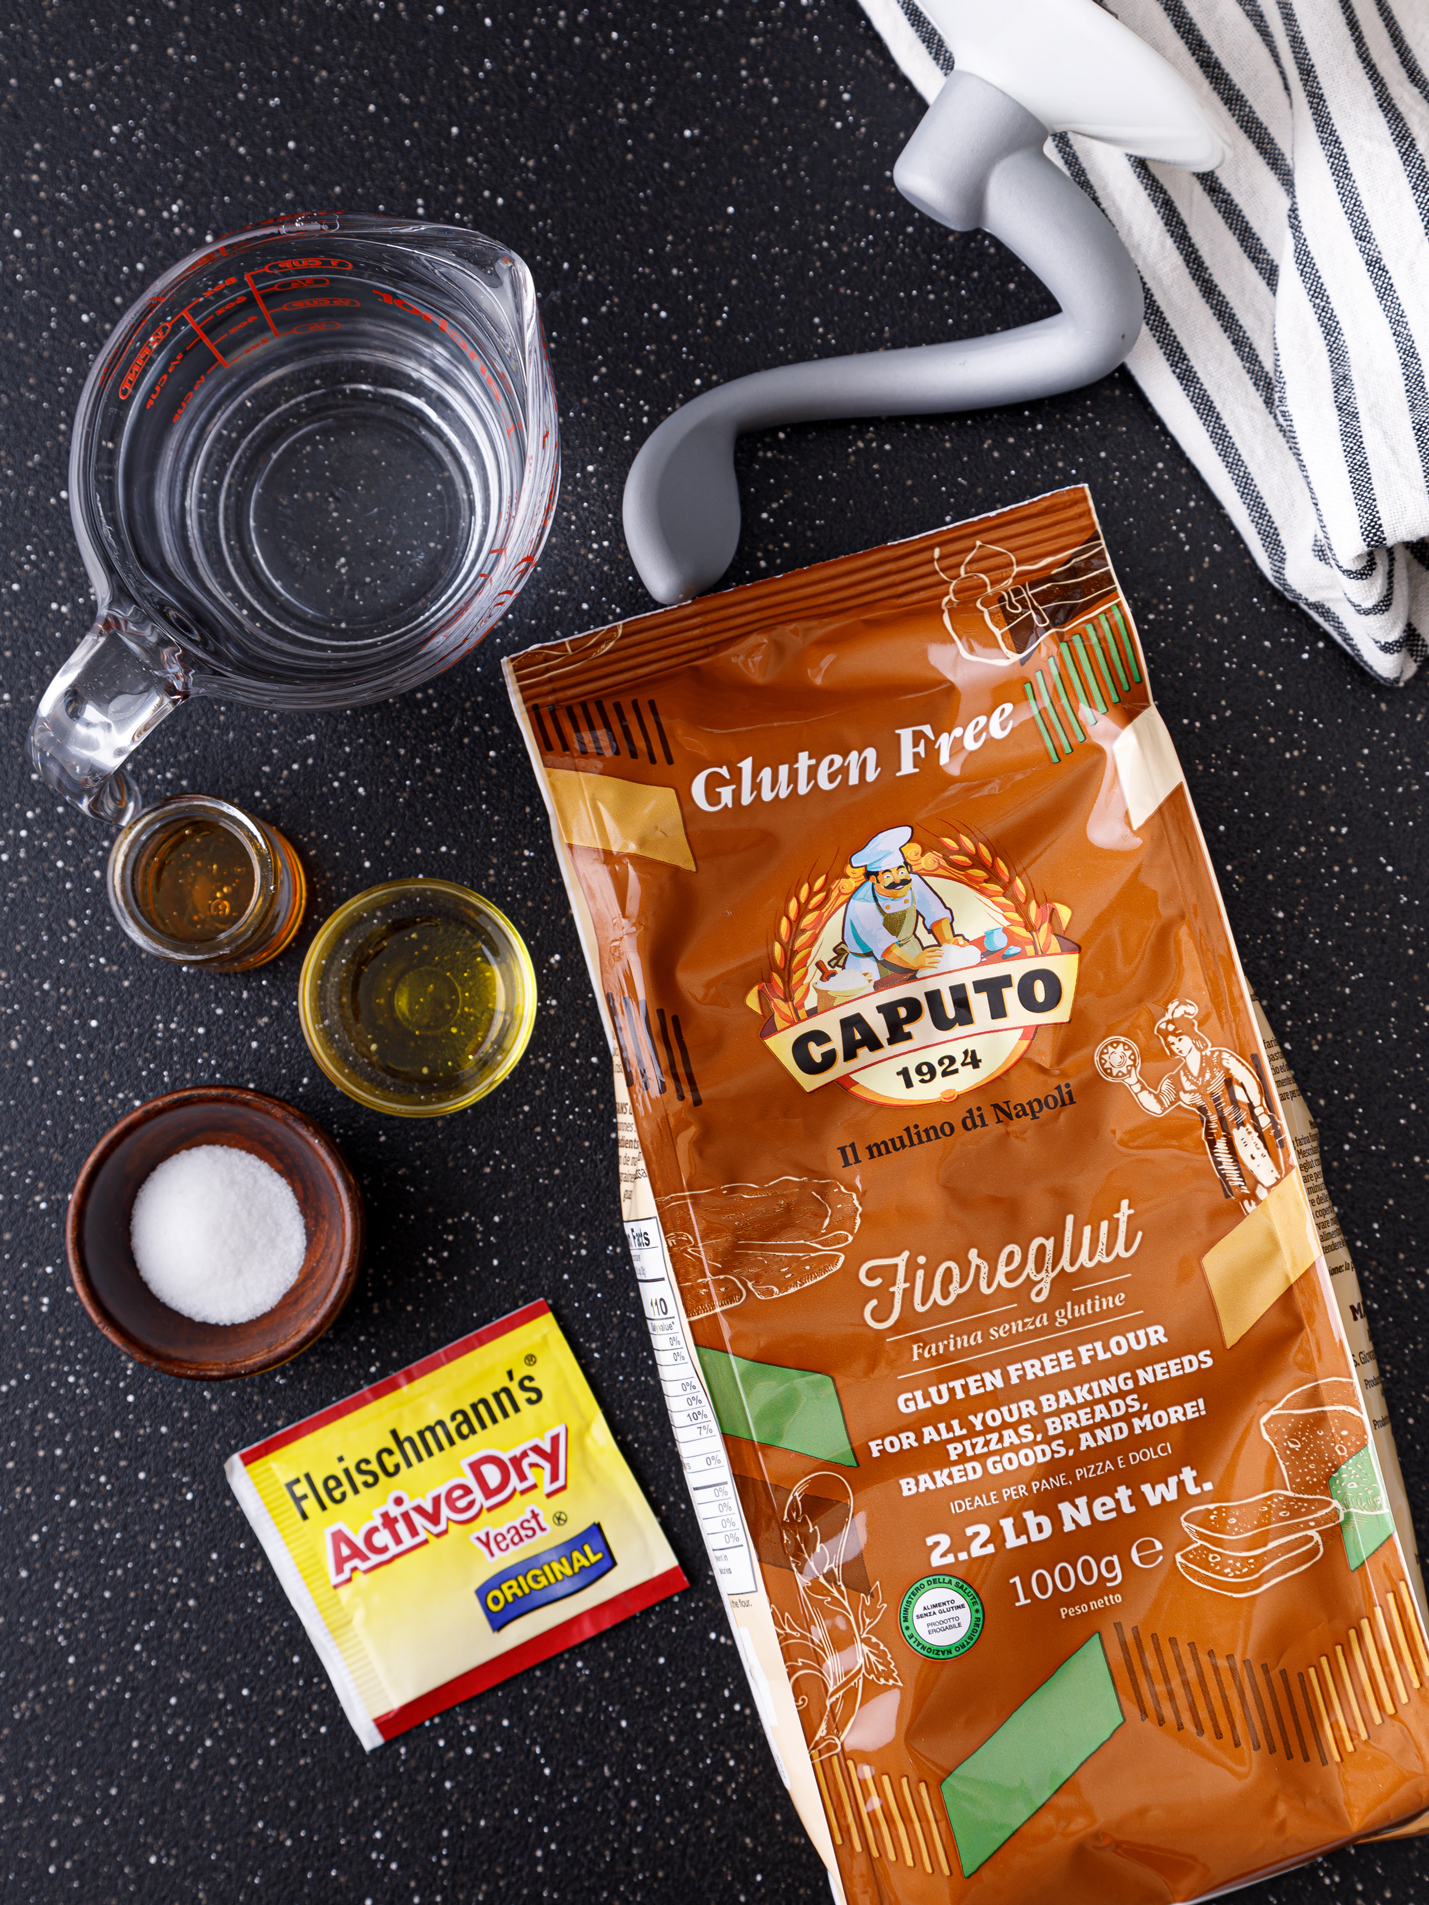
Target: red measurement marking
295,284
167,372
308,264
450,330
188,313
261,305
146,351
234,329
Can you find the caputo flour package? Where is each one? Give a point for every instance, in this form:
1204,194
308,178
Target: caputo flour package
999,1335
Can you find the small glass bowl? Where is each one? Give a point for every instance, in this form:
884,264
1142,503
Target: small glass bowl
417,997
265,892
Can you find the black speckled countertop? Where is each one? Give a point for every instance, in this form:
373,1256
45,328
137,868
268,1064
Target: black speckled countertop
698,193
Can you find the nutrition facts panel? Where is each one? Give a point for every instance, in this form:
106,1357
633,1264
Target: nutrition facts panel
697,1435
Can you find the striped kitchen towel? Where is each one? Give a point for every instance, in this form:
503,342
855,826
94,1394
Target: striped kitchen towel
1286,344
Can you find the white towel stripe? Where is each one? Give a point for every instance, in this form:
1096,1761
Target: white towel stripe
1287,337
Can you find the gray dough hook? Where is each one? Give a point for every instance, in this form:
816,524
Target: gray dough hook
977,159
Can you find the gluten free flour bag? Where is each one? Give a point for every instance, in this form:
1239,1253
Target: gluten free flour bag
997,1331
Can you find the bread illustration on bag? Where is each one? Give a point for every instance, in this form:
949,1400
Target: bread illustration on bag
1261,1522
1322,1443
1242,1574
1244,1547
759,1240
1315,1432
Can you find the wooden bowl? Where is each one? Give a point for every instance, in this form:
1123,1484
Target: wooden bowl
102,1264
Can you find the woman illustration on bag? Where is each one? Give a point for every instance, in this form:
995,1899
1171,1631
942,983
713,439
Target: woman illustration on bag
1225,1092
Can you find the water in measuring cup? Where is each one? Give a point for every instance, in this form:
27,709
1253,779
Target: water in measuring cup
334,493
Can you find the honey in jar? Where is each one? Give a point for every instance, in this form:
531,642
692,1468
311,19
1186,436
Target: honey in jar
200,882
197,881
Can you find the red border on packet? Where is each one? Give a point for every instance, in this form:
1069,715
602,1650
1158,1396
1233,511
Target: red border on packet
438,1358
554,1641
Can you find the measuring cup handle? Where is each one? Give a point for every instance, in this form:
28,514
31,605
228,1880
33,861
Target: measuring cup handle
114,690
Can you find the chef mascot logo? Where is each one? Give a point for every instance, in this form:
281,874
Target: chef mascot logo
920,972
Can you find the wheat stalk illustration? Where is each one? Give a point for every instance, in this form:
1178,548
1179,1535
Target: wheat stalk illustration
830,1644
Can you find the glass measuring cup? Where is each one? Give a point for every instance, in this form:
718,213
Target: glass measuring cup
312,466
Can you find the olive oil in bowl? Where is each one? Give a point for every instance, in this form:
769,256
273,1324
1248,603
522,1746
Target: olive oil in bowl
417,997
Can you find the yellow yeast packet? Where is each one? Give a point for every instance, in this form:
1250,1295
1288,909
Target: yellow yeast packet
455,1523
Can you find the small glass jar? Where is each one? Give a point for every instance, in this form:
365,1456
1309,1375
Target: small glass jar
202,883
417,997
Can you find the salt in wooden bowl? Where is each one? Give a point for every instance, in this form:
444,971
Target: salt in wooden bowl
101,1260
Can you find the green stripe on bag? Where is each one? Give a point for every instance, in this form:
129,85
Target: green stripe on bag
796,1409
1036,1749
1368,1524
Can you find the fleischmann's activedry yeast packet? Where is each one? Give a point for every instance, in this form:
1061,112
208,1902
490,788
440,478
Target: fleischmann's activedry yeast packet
998,1335
455,1523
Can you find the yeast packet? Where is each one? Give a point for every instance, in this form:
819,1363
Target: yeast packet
463,1519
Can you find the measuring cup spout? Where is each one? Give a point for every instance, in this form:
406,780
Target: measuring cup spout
114,690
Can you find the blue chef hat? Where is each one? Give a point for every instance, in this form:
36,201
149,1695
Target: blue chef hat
884,851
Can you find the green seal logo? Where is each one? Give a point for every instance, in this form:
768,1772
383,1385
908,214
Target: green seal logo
941,1616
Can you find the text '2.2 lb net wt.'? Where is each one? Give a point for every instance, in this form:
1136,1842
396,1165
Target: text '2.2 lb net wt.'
986,1294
